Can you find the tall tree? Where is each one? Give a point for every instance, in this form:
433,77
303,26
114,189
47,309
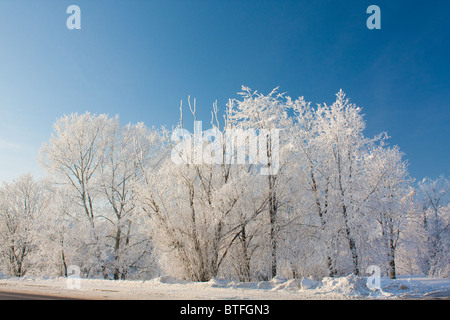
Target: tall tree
266,114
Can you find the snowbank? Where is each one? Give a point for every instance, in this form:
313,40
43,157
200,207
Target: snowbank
351,285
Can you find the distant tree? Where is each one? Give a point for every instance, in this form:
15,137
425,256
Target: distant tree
22,204
433,198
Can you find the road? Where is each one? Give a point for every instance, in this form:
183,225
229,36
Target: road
9,295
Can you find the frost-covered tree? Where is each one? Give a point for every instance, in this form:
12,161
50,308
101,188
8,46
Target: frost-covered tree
389,200
267,113
72,158
74,154
341,144
192,204
60,235
433,200
99,163
312,179
342,178
22,205
121,169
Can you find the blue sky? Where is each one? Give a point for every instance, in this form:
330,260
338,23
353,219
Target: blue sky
138,59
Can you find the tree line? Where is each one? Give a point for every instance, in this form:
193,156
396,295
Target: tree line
116,204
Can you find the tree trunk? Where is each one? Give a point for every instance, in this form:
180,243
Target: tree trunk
351,241
117,254
64,263
244,265
348,233
273,216
391,255
321,212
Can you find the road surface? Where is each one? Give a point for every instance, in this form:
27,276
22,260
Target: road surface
9,295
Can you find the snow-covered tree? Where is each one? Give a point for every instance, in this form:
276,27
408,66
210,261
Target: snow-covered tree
99,163
312,180
22,205
192,204
433,198
267,114
389,200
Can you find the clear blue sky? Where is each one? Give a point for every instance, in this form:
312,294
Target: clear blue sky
138,59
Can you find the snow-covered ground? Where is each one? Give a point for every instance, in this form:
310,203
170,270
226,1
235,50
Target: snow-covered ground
166,288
